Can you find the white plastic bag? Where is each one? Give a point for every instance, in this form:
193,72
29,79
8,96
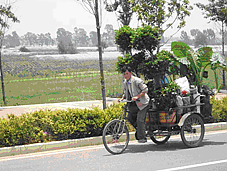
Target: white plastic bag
183,83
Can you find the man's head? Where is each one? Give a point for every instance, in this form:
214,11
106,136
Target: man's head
126,71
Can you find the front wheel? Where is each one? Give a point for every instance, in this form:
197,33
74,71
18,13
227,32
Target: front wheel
115,137
192,131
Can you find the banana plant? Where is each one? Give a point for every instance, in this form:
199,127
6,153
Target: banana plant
198,60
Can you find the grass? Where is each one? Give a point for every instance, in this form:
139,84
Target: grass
30,80
65,88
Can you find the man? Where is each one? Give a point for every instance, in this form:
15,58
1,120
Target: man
136,90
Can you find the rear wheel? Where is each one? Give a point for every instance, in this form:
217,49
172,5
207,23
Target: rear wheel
115,137
192,131
160,138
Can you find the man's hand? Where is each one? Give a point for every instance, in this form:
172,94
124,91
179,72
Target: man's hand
138,96
119,100
135,98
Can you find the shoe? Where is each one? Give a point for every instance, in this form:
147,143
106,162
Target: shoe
142,141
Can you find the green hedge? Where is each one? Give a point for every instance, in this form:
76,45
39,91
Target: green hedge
219,109
45,126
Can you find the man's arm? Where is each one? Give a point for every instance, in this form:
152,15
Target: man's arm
143,88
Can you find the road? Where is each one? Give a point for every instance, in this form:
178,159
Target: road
174,155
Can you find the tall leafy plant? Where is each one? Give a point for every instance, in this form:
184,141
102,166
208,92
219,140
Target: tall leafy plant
197,61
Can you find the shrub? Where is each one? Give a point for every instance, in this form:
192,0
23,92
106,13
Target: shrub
24,49
43,126
66,49
219,109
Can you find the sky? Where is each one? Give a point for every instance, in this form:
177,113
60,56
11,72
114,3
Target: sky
43,16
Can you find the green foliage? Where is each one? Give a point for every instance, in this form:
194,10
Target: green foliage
158,67
5,12
123,38
145,38
133,61
219,109
44,126
216,10
198,61
165,96
161,13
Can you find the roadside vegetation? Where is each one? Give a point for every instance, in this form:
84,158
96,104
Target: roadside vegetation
45,126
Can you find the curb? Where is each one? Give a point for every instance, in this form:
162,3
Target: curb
56,145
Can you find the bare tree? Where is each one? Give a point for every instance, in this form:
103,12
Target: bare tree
93,7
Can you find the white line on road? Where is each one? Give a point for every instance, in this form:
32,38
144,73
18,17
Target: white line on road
194,165
46,153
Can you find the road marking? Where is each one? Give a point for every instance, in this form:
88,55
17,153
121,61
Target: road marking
46,153
194,165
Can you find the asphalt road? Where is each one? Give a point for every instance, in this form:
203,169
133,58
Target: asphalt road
174,155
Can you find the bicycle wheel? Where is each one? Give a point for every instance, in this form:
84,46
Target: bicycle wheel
192,131
159,138
115,137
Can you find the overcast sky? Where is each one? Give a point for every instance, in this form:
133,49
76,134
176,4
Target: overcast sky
42,16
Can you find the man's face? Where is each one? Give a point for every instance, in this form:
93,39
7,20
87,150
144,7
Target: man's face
127,75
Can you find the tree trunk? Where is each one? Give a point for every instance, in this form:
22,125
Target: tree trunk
3,87
100,54
223,54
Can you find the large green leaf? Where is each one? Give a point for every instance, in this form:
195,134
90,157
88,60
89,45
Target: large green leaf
205,55
180,49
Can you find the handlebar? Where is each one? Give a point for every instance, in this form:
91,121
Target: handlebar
128,101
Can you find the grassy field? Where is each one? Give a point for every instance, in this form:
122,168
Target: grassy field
39,77
34,78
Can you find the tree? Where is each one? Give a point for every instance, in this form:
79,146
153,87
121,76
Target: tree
199,37
163,14
48,39
5,15
31,38
110,34
64,36
210,34
185,38
216,11
65,45
123,7
12,41
93,7
93,37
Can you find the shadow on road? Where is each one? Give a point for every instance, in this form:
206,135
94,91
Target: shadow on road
170,146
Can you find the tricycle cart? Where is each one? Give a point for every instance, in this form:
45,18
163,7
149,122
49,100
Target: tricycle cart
160,125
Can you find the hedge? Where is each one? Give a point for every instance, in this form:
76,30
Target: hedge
219,109
45,126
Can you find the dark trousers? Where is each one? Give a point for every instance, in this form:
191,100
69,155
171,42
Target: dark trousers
137,118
